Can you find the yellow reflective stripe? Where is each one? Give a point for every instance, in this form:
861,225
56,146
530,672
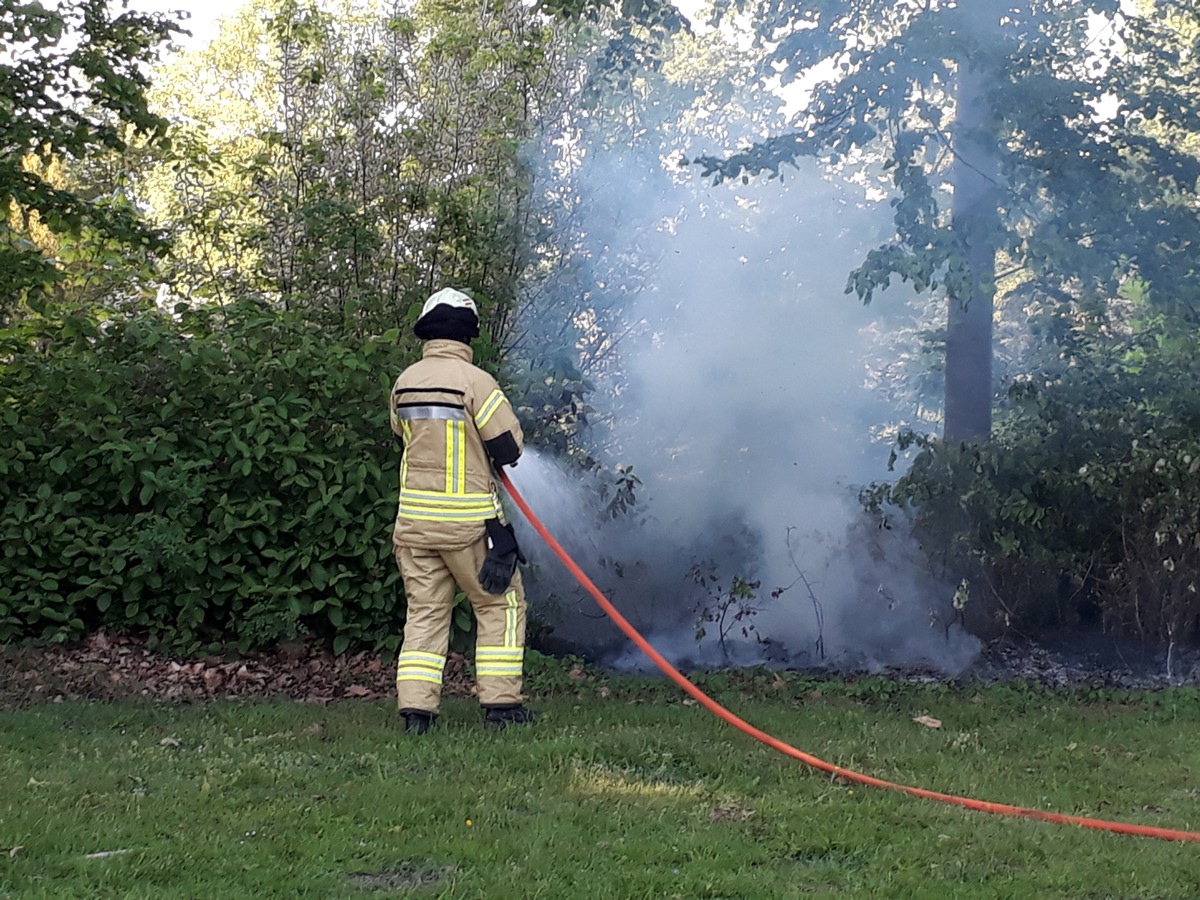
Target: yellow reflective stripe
432,507
504,671
452,509
425,505
500,653
456,457
460,486
493,402
510,619
444,516
414,665
440,498
436,659
499,662
413,676
421,667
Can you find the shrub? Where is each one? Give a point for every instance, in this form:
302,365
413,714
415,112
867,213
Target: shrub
1085,505
210,477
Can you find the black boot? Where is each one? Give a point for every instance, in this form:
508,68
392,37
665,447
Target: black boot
500,717
416,722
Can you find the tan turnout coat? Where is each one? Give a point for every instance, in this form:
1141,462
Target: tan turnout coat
444,408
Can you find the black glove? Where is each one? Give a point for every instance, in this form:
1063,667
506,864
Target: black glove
496,574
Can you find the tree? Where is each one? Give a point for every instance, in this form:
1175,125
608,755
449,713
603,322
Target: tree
344,161
72,84
988,119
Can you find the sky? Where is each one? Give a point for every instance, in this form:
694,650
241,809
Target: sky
203,15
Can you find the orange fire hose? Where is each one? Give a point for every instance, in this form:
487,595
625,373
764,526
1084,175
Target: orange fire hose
716,709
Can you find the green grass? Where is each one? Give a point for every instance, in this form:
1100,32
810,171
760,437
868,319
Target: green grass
630,795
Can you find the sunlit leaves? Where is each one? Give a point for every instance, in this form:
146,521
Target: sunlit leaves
345,162
72,84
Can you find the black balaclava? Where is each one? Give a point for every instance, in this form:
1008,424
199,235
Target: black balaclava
443,322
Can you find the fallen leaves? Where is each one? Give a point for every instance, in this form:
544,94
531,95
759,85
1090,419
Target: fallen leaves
104,667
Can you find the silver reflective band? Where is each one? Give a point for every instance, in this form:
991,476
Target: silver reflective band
413,413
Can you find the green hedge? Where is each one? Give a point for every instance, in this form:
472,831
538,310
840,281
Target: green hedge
204,478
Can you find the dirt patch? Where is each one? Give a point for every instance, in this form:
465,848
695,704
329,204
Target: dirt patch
404,878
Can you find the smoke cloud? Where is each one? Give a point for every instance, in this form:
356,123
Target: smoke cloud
742,399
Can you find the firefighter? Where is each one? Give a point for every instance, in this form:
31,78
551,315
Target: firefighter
454,423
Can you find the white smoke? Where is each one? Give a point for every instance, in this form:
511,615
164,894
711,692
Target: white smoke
741,402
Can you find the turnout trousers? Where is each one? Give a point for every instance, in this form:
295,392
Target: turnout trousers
429,583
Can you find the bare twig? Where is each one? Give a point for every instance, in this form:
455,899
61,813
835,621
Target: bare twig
818,612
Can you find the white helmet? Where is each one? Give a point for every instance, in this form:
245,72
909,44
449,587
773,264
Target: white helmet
448,314
448,297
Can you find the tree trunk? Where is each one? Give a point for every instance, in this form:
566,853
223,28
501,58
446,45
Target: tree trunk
975,218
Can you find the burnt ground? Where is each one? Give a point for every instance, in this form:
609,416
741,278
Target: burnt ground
110,668
1089,660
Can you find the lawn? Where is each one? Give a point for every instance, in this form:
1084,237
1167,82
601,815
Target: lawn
622,790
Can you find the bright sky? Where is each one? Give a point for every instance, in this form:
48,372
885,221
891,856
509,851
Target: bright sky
204,15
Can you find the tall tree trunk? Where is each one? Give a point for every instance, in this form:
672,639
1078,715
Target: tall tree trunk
975,217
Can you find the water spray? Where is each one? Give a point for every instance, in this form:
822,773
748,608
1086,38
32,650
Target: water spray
808,759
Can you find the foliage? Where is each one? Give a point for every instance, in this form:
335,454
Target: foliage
986,122
727,610
334,167
1085,505
72,84
210,479
552,401
1074,182
346,161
